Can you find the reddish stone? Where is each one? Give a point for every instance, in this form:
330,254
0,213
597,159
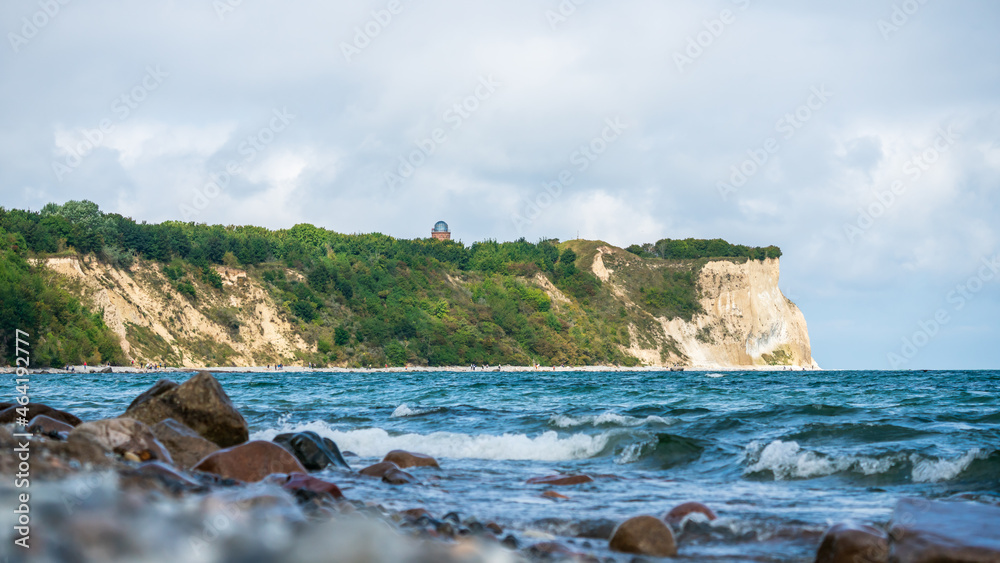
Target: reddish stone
554,495
250,462
405,459
379,469
414,513
10,413
678,512
847,543
559,480
299,481
398,477
644,535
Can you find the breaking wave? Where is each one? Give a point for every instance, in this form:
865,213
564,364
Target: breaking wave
608,418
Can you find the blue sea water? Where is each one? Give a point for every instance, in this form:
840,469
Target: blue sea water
778,455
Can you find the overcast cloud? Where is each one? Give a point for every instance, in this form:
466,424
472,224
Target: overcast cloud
626,122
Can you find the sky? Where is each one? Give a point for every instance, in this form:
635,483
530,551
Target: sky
862,136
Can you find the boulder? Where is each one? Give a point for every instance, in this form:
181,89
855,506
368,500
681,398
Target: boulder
554,495
848,543
186,447
9,413
43,424
560,480
678,512
250,462
168,475
549,550
405,459
644,535
199,403
314,452
398,477
298,482
123,436
923,531
379,469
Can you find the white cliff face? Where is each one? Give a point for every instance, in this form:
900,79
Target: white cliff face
746,320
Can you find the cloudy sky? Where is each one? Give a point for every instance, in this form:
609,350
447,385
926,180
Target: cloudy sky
859,136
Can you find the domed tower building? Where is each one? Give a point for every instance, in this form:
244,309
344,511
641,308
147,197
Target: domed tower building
440,231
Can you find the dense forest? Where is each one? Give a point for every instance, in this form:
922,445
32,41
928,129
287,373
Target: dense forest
362,299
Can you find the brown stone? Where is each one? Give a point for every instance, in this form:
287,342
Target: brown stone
398,477
43,424
302,482
550,550
167,473
10,414
379,469
413,514
554,495
644,535
122,436
186,447
678,512
199,403
849,543
250,462
560,480
923,531
405,459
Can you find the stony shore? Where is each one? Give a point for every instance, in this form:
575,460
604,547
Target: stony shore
175,478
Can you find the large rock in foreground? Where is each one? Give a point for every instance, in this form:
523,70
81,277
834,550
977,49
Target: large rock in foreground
848,543
199,403
122,436
185,445
404,459
250,462
314,451
644,535
924,531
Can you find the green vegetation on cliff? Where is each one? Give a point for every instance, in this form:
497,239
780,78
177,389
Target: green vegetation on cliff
373,299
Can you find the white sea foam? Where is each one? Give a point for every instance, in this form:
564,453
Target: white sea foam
606,418
935,470
787,460
714,375
376,442
405,410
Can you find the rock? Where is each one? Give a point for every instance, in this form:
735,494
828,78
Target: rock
122,436
923,531
554,495
644,535
405,459
550,550
158,388
186,447
560,480
848,543
9,414
398,477
678,512
199,403
43,424
379,469
298,482
250,462
413,514
314,452
168,475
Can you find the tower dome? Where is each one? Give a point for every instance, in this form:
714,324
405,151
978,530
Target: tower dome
440,231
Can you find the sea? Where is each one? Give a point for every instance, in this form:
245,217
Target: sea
779,456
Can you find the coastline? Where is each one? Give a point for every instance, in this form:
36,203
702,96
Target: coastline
412,369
